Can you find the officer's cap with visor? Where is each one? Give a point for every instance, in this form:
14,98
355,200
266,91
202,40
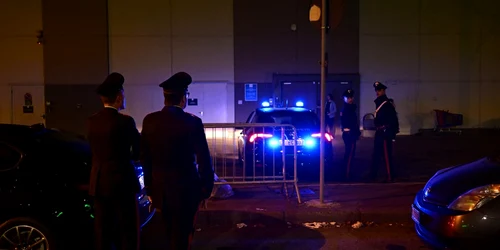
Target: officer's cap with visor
348,93
379,86
111,86
177,84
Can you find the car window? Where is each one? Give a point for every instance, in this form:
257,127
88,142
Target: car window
249,119
265,118
297,119
9,157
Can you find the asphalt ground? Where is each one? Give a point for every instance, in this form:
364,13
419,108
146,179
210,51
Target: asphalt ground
285,236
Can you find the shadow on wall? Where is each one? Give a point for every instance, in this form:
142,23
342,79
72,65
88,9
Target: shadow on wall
492,123
419,121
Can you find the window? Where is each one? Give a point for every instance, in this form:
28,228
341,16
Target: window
249,119
9,157
297,119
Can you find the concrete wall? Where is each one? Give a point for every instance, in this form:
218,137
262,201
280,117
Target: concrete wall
432,55
21,59
75,60
152,39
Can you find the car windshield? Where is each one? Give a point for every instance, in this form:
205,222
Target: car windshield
297,119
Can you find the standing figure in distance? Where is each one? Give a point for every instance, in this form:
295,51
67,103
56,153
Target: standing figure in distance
330,110
350,129
173,144
387,126
113,181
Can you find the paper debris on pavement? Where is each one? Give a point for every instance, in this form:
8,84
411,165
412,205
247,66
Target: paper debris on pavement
357,225
241,225
223,191
316,225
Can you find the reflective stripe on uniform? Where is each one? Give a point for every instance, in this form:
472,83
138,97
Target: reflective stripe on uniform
346,129
375,114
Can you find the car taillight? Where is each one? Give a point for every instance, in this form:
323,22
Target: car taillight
328,136
255,136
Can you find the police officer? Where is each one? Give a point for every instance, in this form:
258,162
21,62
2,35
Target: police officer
173,144
350,128
113,181
387,126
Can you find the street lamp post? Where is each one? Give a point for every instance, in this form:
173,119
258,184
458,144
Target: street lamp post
323,97
315,13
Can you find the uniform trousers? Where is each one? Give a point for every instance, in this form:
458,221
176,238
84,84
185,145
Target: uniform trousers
117,222
382,149
179,210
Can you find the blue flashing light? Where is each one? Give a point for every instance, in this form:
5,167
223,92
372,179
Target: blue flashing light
309,142
299,104
273,142
265,104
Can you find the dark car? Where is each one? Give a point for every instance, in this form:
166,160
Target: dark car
459,207
261,148
44,175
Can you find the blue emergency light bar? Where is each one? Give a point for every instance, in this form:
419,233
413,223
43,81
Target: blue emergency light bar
265,104
299,104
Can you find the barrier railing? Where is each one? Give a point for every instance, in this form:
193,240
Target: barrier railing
254,153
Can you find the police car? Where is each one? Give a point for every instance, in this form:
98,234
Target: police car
260,148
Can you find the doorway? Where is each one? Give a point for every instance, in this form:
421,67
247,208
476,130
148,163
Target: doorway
208,101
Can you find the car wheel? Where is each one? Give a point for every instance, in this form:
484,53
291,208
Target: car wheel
25,233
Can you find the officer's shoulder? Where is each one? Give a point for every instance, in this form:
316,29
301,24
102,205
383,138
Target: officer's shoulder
152,115
192,116
127,117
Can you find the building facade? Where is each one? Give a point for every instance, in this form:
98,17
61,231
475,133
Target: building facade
240,53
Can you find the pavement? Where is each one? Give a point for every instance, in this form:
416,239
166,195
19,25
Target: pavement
356,215
381,203
383,237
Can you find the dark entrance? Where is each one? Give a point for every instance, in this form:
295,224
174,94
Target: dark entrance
307,89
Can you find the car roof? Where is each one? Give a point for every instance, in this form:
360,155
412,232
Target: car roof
291,109
10,131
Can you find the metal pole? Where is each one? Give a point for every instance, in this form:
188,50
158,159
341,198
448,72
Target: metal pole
323,100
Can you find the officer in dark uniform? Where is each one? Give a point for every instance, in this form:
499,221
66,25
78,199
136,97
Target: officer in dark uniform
113,181
350,128
387,126
176,160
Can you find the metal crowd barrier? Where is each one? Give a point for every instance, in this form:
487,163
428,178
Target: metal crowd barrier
254,153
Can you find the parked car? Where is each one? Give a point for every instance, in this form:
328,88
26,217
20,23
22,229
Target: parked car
262,147
44,175
459,207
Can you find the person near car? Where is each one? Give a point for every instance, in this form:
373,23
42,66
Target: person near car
176,160
331,110
350,129
387,126
114,141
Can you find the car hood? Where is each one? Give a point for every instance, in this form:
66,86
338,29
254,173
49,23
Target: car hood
448,184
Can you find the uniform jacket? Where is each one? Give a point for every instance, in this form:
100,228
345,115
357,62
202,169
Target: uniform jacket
114,142
173,143
386,117
349,119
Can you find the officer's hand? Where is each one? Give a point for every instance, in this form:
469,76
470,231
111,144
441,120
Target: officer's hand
150,204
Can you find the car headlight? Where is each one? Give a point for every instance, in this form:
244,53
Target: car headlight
475,198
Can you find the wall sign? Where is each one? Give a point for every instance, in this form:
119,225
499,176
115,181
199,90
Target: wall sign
251,92
193,102
28,103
